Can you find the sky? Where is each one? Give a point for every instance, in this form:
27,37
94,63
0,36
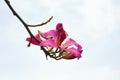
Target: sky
95,24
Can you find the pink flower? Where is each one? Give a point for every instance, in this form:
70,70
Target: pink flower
33,40
54,39
72,48
57,36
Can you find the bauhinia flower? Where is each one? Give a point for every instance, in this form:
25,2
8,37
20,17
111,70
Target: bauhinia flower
71,49
55,36
54,41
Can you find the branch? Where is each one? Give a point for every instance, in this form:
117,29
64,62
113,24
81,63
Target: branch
47,53
30,33
26,27
21,20
43,23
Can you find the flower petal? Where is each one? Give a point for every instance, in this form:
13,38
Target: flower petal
62,34
68,43
51,33
48,43
33,40
79,47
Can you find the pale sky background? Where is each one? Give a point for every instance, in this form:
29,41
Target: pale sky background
95,24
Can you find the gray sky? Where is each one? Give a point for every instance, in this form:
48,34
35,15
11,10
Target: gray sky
95,24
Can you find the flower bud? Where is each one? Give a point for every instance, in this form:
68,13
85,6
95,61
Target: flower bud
68,56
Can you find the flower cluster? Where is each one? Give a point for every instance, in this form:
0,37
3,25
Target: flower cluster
57,43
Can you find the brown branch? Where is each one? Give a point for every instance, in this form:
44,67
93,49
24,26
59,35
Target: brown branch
28,30
15,14
43,23
30,33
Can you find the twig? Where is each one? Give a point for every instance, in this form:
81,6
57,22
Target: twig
15,14
30,33
26,27
43,23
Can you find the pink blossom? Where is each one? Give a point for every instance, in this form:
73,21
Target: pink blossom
54,39
33,40
57,36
